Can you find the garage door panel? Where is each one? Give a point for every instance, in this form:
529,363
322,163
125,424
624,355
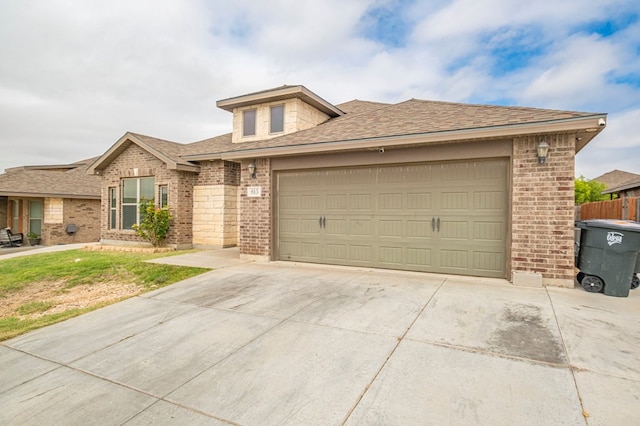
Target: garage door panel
492,262
452,201
419,258
360,253
419,229
391,256
391,228
337,252
390,201
419,201
488,231
454,259
360,202
454,230
488,200
386,216
336,202
337,227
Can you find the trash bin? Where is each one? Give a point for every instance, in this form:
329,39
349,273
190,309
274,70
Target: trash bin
608,255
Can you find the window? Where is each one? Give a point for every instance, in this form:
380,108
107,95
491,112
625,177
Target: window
134,191
164,196
113,205
249,122
35,217
277,119
15,216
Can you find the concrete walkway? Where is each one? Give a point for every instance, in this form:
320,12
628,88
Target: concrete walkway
285,343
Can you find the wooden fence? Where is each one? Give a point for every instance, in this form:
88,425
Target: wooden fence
627,208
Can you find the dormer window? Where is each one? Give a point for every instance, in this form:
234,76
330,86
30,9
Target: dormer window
249,122
277,119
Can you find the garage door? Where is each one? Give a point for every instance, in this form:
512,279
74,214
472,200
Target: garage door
444,218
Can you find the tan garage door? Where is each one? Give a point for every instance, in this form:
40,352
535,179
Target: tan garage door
445,217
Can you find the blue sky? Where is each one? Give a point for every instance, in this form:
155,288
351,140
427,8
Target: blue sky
76,75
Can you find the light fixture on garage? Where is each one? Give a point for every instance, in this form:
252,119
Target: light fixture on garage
543,150
251,168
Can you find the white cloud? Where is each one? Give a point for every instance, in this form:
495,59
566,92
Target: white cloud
76,75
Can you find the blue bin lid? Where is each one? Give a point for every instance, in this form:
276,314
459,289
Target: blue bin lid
626,225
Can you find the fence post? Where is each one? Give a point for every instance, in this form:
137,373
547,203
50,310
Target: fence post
625,208
637,218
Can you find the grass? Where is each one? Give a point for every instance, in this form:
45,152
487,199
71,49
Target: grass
77,268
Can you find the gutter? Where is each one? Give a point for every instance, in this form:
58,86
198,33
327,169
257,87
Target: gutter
591,124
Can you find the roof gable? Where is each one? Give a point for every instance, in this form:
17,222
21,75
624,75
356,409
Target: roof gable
166,151
280,94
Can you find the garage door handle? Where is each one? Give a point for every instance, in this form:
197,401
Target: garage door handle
320,222
433,224
324,221
438,223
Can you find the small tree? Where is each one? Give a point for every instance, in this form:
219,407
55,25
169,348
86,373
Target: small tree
589,190
155,223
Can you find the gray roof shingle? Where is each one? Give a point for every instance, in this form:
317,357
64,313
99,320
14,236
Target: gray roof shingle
51,181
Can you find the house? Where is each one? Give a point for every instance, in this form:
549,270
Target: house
628,188
616,178
479,190
61,203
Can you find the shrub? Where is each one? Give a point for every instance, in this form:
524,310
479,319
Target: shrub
155,223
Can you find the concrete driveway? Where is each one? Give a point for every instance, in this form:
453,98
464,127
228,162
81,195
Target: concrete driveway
284,343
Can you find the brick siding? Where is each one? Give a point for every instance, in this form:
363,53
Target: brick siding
85,214
255,212
136,162
542,237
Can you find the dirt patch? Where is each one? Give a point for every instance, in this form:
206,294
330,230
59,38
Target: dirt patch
62,299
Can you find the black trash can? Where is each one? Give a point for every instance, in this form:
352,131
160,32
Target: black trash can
608,255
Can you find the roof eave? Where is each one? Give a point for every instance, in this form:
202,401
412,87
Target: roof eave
49,195
115,150
281,93
587,125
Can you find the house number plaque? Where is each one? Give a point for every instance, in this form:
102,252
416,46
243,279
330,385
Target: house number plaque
254,191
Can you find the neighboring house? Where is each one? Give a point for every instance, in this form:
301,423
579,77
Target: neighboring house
418,185
616,178
61,203
628,185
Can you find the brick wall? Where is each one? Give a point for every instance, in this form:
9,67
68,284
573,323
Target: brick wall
136,162
542,209
255,212
85,214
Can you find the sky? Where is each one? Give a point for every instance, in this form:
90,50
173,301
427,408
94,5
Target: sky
76,75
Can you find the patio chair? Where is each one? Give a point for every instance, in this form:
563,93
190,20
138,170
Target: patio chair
8,238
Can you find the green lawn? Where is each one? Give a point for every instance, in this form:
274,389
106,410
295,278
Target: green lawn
25,280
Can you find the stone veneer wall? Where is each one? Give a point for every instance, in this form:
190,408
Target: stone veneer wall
256,212
215,204
542,235
298,115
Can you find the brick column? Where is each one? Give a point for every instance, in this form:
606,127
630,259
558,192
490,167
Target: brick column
543,209
255,212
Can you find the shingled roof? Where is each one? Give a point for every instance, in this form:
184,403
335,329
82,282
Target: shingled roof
365,124
617,178
61,181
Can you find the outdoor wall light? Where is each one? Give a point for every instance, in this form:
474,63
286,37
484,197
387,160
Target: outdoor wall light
543,150
252,170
